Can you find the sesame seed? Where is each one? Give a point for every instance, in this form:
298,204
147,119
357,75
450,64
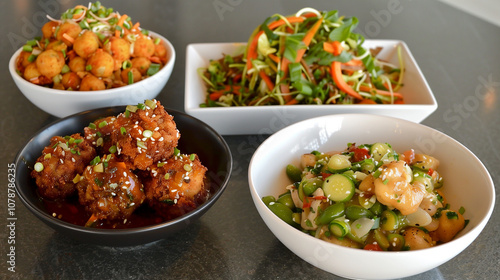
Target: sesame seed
157,128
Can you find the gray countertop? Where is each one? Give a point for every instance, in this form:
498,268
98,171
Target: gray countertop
457,53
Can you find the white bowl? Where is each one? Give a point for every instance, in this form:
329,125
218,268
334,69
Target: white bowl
420,101
460,168
62,103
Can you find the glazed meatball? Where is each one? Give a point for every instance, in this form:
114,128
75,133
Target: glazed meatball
50,63
86,44
176,186
91,82
60,162
99,134
101,64
109,190
71,29
148,134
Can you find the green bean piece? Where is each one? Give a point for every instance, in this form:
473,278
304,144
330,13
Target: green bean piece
296,217
381,238
355,212
286,199
389,220
294,173
377,208
330,213
396,242
268,199
282,211
339,228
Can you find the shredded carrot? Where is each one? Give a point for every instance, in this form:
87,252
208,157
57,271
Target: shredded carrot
69,38
292,101
333,47
252,50
273,57
308,38
266,79
235,89
354,62
91,220
336,73
155,59
381,92
121,20
280,22
136,26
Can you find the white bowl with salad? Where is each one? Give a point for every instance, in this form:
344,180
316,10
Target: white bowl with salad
302,66
428,199
101,59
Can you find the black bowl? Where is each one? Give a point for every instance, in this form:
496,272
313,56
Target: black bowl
196,137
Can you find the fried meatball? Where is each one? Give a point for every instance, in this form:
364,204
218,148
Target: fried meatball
147,135
119,49
86,44
101,63
176,186
144,47
71,29
136,75
99,134
50,63
109,190
91,82
60,162
77,64
57,46
142,64
49,28
71,80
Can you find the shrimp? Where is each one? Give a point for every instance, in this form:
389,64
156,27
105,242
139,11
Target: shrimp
393,188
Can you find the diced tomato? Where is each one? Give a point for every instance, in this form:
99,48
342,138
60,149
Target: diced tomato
360,154
430,171
372,247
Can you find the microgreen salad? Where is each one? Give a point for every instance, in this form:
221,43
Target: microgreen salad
311,57
369,196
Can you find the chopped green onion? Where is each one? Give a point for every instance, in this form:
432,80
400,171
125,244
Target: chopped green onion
65,69
192,157
141,106
92,126
187,167
27,48
126,64
132,108
103,124
157,41
130,77
123,131
31,58
147,133
153,69
176,151
141,144
167,176
96,160
112,149
150,103
88,67
38,167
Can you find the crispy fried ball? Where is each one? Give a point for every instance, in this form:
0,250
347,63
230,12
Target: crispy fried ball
71,80
86,44
177,186
144,47
119,49
101,64
109,190
99,134
49,28
161,52
50,63
77,64
91,82
149,135
57,46
141,63
62,160
31,72
23,60
136,75
71,29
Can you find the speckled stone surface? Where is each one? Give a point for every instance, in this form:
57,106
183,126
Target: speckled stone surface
457,53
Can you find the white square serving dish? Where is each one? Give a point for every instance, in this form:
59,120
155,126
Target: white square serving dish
419,99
